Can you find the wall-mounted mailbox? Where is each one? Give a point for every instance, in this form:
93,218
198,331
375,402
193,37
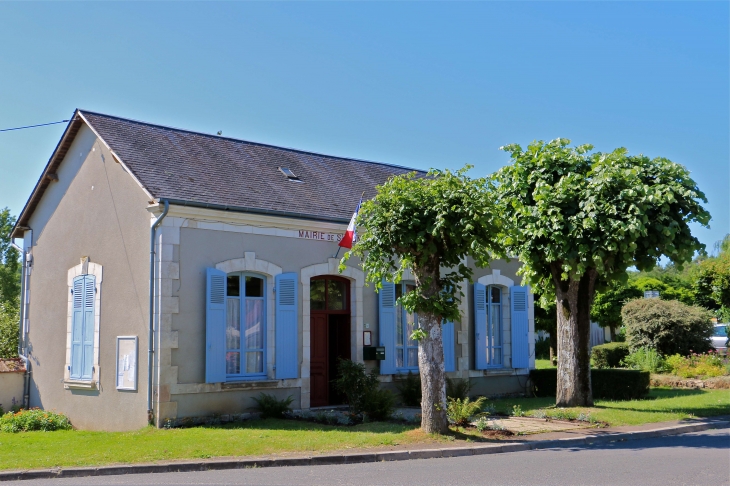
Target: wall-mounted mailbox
373,352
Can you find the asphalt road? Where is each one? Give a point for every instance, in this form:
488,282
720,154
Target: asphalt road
697,459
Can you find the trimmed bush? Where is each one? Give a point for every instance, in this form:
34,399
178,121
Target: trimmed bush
271,407
363,392
670,327
609,355
34,419
609,384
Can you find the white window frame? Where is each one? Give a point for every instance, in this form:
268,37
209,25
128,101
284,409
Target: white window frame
84,268
492,307
402,322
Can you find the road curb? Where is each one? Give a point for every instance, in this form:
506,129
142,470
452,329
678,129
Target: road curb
358,458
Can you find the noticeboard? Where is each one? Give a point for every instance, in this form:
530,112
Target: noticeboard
126,362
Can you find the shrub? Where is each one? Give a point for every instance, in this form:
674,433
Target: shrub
609,355
409,387
645,359
697,365
34,419
363,391
458,388
670,327
610,384
461,411
271,407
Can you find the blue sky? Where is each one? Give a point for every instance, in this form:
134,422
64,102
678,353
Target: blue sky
416,84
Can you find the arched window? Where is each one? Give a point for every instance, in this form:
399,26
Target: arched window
245,325
494,326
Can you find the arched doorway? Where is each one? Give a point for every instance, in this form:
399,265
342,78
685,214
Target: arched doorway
330,334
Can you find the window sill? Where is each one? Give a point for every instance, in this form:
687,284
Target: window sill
79,385
255,384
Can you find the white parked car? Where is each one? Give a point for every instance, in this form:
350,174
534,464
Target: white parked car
719,338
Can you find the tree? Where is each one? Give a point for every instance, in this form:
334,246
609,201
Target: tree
712,282
574,218
9,288
428,225
606,309
545,320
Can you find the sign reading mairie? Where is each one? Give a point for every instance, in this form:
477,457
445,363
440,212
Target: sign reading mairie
320,235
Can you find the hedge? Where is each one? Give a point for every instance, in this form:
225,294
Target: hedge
609,355
610,384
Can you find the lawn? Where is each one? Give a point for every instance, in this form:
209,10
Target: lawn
33,450
663,404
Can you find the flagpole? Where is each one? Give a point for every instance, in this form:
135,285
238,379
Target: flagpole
358,207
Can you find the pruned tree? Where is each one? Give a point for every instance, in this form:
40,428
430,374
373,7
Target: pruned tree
428,225
575,217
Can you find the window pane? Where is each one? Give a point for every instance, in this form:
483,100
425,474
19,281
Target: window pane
412,357
316,295
496,356
254,287
233,324
254,325
399,358
255,362
336,295
233,363
496,324
399,326
496,294
234,285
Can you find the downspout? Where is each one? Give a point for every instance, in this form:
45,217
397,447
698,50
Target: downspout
151,342
21,328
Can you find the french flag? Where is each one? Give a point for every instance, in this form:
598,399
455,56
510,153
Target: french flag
351,233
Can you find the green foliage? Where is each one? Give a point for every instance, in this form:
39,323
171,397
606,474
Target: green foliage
409,387
461,411
542,349
517,411
712,283
645,359
9,322
9,262
363,391
426,224
569,211
666,291
610,384
704,365
609,355
271,407
606,308
458,388
33,419
670,327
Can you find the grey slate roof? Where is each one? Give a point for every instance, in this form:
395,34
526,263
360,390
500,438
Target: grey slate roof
208,170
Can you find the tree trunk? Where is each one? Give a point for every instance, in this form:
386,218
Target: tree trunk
574,299
613,333
431,361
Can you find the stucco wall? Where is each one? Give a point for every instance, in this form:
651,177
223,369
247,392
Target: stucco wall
11,389
96,210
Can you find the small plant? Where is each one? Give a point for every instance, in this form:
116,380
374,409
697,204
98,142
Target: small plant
363,391
517,411
34,419
460,412
540,413
705,365
489,409
271,407
482,424
409,387
585,417
645,359
458,388
563,414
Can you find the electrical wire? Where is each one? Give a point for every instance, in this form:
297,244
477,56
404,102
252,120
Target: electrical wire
33,126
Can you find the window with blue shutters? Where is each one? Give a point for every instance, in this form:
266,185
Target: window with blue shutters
488,326
287,326
82,328
406,349
520,327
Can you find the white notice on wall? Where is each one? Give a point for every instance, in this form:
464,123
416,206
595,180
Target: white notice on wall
127,362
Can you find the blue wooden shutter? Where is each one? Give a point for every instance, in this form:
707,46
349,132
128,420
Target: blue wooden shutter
520,327
480,326
89,324
447,332
386,326
287,329
215,326
77,329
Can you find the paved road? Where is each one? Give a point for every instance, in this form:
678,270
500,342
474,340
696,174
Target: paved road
697,459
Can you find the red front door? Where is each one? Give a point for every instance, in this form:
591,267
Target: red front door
318,360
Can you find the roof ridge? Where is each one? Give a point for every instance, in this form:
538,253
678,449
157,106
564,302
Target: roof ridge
309,152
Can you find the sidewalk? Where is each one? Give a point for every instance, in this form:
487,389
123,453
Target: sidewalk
568,438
